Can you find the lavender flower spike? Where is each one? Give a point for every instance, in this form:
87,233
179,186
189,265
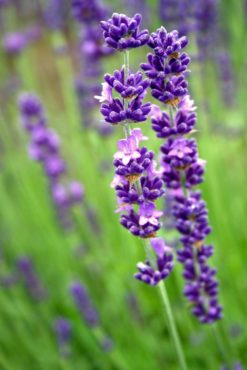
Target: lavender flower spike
182,169
62,328
31,280
137,183
83,304
45,148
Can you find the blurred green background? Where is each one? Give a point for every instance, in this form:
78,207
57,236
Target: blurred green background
131,313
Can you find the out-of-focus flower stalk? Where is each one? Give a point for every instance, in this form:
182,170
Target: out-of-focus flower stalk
45,148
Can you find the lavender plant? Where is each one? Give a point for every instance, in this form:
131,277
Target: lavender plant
44,148
182,168
137,183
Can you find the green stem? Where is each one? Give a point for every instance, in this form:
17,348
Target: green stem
126,64
172,326
127,129
171,115
221,347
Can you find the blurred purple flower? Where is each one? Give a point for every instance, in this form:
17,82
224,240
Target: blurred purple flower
62,329
84,304
14,43
31,280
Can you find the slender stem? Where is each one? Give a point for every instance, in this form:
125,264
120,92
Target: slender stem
149,255
172,326
126,64
127,129
224,353
171,115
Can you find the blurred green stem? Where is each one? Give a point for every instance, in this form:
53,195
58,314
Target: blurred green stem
226,356
172,326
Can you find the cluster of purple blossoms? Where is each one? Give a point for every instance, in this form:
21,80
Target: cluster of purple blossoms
182,170
121,32
166,67
137,183
62,329
164,263
45,148
129,107
92,51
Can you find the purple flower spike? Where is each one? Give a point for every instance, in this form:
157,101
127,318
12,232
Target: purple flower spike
84,305
121,32
182,169
62,329
45,148
31,280
163,268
